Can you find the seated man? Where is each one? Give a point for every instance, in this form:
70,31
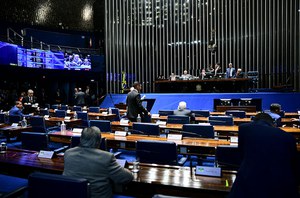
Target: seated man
274,112
185,75
269,161
17,109
239,73
98,166
182,109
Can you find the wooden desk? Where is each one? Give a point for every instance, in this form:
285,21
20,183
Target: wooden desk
249,114
189,146
151,179
10,131
242,108
54,121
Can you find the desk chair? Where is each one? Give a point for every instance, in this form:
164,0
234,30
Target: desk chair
165,112
77,108
178,119
12,186
103,125
84,118
200,113
60,113
64,107
203,131
236,113
59,186
159,152
14,118
221,120
2,118
38,124
94,109
228,157
44,112
55,106
145,128
117,112
34,141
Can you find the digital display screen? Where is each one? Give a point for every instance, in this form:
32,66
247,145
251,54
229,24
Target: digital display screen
11,54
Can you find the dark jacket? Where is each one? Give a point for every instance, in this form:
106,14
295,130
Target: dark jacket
134,105
269,163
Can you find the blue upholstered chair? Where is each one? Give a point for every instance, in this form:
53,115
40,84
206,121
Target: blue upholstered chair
60,113
2,118
204,131
221,120
51,185
200,113
64,107
14,118
84,118
94,109
44,112
236,113
55,106
34,141
145,128
158,152
38,124
75,141
77,108
178,119
228,157
117,112
165,112
12,186
103,125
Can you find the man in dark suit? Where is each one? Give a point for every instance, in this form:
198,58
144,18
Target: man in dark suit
80,97
134,103
99,167
230,71
30,98
269,161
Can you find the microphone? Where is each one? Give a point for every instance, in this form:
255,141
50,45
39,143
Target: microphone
219,121
185,132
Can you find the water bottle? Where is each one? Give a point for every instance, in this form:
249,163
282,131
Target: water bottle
75,115
109,111
24,122
63,127
139,119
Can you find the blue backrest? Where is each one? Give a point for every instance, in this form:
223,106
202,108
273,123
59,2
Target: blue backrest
204,131
77,108
103,125
178,119
221,120
38,124
55,106
117,112
64,107
165,112
159,152
236,113
51,185
12,186
60,113
44,112
146,128
94,109
14,118
75,141
228,157
34,141
200,113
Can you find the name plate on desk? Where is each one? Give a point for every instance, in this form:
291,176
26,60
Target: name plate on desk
120,133
77,130
161,122
123,121
174,136
67,118
208,171
234,139
14,124
46,116
155,116
46,154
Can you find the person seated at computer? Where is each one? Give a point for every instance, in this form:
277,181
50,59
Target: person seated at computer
185,75
239,73
230,71
274,112
99,167
17,109
182,110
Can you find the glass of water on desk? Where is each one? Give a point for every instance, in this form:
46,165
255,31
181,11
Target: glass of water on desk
135,166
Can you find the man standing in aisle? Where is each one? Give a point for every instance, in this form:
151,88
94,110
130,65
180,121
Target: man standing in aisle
134,103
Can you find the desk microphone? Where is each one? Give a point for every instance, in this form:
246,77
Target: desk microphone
185,132
219,121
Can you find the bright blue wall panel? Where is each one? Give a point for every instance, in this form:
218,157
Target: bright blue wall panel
290,102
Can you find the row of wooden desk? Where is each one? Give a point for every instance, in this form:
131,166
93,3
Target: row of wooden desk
150,180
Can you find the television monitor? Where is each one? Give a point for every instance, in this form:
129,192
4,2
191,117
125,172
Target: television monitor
77,61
